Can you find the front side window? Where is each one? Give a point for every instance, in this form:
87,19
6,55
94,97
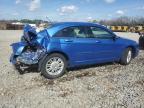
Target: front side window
97,32
72,32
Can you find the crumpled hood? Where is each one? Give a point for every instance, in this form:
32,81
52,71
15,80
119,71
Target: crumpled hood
42,39
31,47
35,38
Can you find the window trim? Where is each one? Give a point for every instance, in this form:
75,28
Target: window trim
105,29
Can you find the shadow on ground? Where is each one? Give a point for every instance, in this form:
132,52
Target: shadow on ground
34,68
27,69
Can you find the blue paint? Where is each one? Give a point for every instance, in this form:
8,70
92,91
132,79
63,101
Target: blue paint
79,51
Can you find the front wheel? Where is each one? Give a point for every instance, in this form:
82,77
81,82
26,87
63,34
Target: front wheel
54,66
126,57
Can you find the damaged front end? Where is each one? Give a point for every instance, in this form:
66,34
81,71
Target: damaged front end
30,57
31,48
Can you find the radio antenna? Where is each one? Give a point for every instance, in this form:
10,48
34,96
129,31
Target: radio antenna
49,20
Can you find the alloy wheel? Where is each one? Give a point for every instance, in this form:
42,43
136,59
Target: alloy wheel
54,66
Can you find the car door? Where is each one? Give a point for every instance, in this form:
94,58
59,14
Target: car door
83,45
77,45
106,48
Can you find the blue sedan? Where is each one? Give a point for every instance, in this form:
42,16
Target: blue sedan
70,44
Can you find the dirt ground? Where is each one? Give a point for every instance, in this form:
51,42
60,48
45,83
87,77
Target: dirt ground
100,86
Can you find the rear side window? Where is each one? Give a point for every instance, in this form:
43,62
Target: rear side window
71,32
97,32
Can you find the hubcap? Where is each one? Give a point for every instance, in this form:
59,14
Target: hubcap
54,66
129,56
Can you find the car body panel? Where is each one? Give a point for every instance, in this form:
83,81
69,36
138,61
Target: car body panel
87,51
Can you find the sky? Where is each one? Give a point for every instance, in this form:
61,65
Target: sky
70,10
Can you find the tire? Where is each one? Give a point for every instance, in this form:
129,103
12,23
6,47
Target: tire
126,56
50,68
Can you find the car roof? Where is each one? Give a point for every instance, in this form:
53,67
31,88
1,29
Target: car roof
75,24
61,25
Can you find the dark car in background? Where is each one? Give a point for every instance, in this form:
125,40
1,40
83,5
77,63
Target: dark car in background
141,39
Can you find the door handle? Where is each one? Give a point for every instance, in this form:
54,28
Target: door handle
68,40
97,41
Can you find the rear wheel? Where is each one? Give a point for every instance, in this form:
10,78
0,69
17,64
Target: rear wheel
54,66
126,57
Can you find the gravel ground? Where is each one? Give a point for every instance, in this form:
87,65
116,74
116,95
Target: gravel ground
100,86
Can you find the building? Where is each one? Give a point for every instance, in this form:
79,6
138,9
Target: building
10,26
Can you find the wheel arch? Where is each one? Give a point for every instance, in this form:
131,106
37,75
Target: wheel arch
59,52
133,50
49,53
